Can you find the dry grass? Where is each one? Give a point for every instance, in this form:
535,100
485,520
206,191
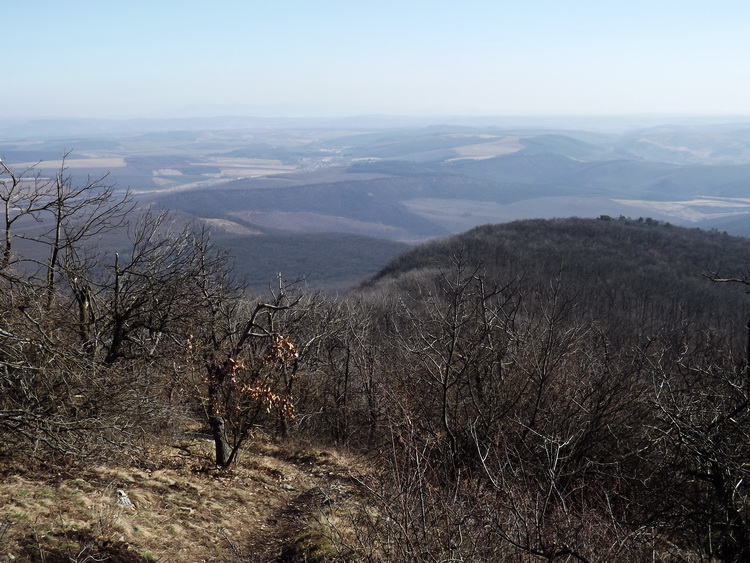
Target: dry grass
275,501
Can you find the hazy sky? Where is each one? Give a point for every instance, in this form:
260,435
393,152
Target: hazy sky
118,58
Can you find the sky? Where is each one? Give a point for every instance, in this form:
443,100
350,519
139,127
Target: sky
121,59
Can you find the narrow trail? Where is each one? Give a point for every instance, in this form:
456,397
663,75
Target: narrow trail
315,486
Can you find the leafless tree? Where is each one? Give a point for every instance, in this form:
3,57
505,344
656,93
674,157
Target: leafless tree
243,365
22,198
89,336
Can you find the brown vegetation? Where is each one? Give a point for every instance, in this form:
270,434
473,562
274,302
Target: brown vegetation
561,390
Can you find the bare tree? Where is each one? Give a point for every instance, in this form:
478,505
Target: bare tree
507,406
742,279
22,198
455,335
701,399
55,216
89,337
244,363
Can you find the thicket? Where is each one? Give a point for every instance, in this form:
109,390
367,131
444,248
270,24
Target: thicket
560,390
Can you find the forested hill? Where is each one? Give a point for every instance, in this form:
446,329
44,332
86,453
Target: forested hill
614,269
601,247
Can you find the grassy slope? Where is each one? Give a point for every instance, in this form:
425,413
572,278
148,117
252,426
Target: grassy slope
185,509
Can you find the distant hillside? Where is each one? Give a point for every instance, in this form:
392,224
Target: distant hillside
333,261
403,180
718,144
411,199
560,144
615,177
614,268
575,241
373,206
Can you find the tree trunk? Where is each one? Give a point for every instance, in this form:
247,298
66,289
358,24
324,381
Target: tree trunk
223,450
216,420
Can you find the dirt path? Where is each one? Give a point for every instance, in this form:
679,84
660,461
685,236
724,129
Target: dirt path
317,486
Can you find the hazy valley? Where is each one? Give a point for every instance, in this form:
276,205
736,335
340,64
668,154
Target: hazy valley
386,184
